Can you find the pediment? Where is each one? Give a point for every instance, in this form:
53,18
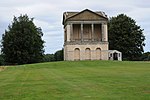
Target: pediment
87,15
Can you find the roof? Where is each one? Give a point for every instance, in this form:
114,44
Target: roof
112,51
67,15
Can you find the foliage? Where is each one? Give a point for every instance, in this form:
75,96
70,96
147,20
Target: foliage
22,42
126,36
79,80
145,56
48,58
59,55
2,62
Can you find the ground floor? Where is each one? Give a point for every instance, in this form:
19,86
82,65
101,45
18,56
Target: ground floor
86,52
90,52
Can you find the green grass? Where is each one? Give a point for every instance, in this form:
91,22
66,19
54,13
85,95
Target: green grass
81,80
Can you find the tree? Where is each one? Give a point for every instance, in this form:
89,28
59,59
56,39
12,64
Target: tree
48,58
22,42
145,56
59,55
1,60
126,36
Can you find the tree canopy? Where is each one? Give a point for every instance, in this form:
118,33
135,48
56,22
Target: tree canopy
59,55
145,56
22,42
126,36
48,58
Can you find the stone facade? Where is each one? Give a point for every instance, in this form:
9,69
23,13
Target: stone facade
85,35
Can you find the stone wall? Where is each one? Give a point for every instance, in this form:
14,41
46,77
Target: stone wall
86,52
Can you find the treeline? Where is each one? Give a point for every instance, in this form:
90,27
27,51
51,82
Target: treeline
57,56
145,56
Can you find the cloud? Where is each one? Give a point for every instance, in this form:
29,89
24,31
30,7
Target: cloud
48,15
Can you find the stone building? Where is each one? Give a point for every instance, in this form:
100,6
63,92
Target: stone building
85,35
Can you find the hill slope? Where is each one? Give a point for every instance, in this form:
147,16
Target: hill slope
82,80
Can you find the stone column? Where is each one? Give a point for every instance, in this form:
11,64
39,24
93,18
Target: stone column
68,32
71,32
65,35
105,32
92,26
102,32
81,32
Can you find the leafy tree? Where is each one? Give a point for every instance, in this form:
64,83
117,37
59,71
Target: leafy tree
59,55
48,58
22,42
145,56
2,60
126,36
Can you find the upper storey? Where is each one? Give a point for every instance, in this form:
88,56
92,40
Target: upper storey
85,15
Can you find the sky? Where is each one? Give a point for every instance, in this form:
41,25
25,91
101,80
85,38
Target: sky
48,15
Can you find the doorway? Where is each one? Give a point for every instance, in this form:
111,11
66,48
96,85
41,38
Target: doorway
115,56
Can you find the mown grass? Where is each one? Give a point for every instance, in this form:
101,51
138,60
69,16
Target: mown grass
80,80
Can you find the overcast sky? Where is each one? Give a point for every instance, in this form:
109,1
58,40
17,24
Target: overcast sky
47,14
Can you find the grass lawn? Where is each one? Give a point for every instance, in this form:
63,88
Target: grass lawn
80,80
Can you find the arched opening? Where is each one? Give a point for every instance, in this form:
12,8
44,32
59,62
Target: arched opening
87,54
98,53
115,56
77,54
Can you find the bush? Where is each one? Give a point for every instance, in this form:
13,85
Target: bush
2,62
59,55
48,58
145,56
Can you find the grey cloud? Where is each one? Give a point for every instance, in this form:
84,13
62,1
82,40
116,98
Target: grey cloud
48,15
